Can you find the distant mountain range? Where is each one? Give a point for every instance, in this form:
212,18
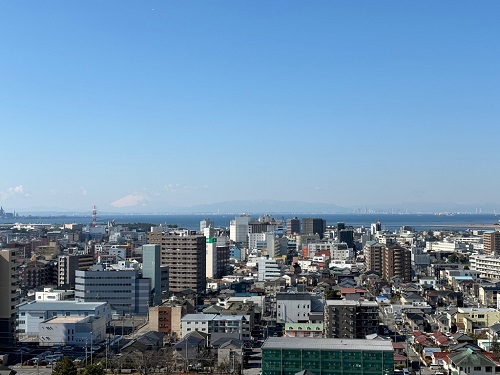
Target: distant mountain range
275,206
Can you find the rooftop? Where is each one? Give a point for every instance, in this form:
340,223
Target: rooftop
326,344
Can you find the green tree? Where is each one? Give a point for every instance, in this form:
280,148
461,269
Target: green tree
495,347
93,370
332,294
65,367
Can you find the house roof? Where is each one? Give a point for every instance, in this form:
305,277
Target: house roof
470,358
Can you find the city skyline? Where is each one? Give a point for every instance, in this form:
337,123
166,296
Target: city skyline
152,106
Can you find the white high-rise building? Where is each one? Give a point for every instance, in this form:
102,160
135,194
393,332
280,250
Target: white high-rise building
239,228
268,269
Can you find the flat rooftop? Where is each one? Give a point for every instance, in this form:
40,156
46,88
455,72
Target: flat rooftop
327,344
68,319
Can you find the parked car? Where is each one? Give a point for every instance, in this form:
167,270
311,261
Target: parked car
67,348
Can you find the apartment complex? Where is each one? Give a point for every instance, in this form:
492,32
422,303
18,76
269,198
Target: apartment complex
289,356
67,266
389,261
350,319
491,243
185,254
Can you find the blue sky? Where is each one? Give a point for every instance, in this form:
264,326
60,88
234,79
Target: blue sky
144,105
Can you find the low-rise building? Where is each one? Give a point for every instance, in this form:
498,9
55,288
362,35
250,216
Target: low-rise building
289,356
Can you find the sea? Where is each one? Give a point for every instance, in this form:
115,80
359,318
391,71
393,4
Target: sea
389,222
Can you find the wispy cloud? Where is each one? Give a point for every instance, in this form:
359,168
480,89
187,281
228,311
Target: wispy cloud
129,200
16,190
84,191
175,188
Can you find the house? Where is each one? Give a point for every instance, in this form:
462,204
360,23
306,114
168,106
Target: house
470,362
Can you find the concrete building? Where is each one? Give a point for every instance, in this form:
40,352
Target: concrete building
38,273
487,265
491,242
396,263
68,264
31,314
350,319
293,226
166,318
9,297
311,226
268,269
50,294
125,290
239,228
217,326
158,274
80,331
295,307
388,260
327,356
185,254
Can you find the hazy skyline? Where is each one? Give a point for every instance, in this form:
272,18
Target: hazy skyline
141,106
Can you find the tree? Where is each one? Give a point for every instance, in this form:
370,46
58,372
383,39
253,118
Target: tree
93,370
332,294
495,347
65,367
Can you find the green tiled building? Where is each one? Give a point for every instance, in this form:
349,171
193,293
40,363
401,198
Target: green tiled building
287,356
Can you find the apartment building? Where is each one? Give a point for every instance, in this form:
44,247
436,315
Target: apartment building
350,319
491,243
9,297
326,356
184,252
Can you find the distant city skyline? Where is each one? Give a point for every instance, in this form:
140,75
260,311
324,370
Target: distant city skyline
157,105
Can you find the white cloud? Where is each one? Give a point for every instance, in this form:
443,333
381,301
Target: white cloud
129,200
84,192
173,188
11,192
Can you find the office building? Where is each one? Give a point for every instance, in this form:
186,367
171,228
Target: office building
32,314
206,223
311,226
80,331
347,236
158,274
38,273
350,319
184,252
239,228
293,226
327,356
125,290
9,297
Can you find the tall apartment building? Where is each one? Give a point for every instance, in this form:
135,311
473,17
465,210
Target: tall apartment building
185,255
491,243
9,297
388,260
350,319
396,263
67,266
373,256
158,274
313,226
